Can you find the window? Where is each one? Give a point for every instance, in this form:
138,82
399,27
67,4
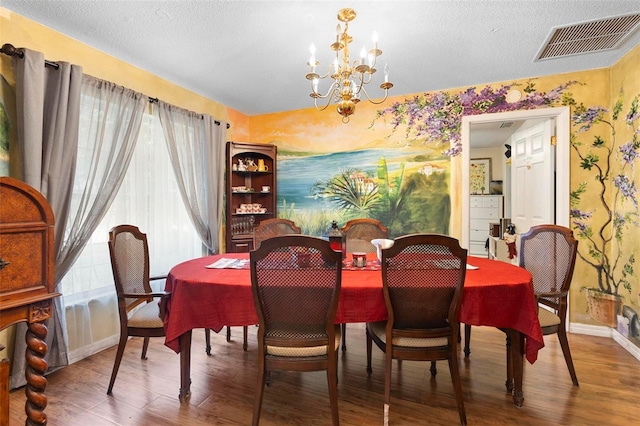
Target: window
148,198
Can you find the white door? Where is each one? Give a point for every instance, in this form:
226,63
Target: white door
532,176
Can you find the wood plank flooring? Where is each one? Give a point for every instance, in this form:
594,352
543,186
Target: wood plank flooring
223,388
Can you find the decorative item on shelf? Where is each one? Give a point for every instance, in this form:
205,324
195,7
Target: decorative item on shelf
251,165
261,166
266,188
241,165
349,78
337,239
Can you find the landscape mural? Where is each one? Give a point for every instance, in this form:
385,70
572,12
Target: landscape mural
400,164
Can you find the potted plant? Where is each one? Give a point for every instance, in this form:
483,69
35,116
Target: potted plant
604,232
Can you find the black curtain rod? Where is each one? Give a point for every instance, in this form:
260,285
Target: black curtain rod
9,50
155,100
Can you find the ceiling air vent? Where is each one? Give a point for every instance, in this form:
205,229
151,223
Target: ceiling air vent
506,124
587,37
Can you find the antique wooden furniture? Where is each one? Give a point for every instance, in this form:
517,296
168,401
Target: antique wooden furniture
250,192
422,279
27,267
549,253
295,280
130,265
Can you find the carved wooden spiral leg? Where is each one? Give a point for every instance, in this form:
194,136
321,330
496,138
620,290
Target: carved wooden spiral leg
34,373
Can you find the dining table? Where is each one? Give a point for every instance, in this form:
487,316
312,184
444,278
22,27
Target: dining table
495,293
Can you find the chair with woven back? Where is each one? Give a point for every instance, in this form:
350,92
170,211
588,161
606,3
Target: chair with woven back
296,282
423,277
266,229
139,314
359,233
549,253
273,228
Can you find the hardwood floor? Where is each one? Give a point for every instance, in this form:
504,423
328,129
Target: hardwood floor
223,388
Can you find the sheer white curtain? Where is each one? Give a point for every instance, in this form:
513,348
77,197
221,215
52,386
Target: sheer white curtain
196,147
148,198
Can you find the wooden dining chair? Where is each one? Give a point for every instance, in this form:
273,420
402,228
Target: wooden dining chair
139,314
295,281
268,228
359,233
549,252
422,278
273,228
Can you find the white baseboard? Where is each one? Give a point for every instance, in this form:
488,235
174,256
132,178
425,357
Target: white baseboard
625,343
604,331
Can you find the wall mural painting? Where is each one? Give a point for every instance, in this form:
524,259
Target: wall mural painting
405,188
612,296
408,188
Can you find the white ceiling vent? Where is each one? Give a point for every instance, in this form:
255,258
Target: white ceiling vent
506,124
587,37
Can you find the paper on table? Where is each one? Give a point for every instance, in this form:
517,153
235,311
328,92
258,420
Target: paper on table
471,266
227,263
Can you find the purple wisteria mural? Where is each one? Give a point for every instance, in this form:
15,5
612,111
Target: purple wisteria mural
437,117
613,166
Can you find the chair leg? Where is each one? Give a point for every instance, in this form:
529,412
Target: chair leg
388,363
467,340
369,344
207,340
145,346
116,364
332,380
257,405
344,337
564,344
245,331
433,369
228,334
457,386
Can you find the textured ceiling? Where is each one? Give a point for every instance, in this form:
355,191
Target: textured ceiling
251,55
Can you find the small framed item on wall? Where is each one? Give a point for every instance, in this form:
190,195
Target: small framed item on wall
479,175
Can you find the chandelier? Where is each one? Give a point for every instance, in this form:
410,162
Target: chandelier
349,78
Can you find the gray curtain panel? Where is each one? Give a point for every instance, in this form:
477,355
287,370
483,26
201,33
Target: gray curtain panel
196,148
47,103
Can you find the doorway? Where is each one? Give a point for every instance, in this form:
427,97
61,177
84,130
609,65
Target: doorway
561,116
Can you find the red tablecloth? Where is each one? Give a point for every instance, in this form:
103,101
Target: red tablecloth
497,294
